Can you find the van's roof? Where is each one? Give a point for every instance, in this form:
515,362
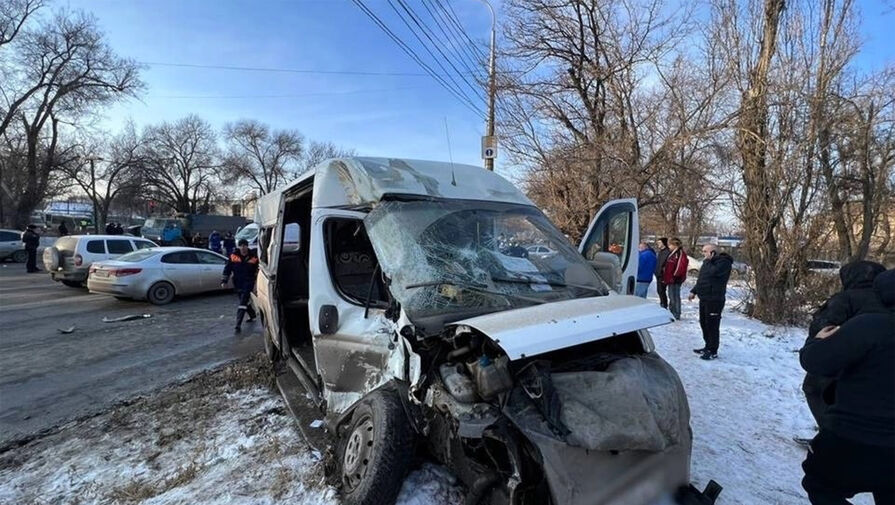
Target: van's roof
357,182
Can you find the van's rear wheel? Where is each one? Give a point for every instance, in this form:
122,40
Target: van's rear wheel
160,293
375,451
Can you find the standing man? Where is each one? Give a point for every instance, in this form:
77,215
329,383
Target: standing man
214,242
711,288
31,240
674,273
243,264
646,265
661,257
63,230
857,297
854,452
229,244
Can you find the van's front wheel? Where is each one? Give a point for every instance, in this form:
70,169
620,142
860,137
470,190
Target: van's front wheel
272,352
375,451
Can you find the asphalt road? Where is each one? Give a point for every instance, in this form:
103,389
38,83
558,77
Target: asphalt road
47,377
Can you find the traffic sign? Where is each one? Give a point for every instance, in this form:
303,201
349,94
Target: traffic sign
489,147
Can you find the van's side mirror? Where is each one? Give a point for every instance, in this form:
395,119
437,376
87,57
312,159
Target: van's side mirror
291,238
328,320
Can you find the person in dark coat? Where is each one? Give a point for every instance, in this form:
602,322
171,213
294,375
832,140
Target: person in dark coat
857,297
646,265
674,273
661,256
711,288
229,244
30,239
110,228
214,242
854,452
63,230
243,266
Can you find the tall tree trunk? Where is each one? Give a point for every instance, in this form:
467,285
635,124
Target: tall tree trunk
760,217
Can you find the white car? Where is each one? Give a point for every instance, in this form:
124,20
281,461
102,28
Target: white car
158,274
11,246
824,267
693,265
68,260
540,251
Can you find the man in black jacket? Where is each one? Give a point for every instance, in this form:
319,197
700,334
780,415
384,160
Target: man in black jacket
711,288
30,239
661,256
857,297
243,265
855,449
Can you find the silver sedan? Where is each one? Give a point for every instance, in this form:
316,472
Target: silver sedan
158,274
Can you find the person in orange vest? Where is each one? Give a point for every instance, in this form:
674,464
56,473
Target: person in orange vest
243,266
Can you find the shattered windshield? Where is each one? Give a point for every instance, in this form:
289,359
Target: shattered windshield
457,255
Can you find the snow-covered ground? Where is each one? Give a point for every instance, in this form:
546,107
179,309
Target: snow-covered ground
225,437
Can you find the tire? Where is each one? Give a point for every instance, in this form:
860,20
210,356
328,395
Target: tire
51,259
160,293
73,284
20,256
375,453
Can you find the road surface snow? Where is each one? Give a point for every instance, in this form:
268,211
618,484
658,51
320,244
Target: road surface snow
226,437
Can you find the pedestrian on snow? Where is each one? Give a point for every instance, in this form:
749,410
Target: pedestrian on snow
243,265
214,242
63,230
646,265
857,297
661,257
229,244
31,240
711,288
674,273
854,452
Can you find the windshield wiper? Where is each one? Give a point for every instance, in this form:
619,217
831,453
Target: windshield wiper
473,286
532,280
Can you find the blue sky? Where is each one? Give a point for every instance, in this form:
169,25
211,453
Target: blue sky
376,115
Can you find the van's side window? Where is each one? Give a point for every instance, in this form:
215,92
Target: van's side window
352,262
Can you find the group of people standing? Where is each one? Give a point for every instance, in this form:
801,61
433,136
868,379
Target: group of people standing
669,266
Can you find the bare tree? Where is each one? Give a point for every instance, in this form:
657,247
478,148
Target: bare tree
179,163
321,151
264,157
582,117
57,72
102,173
13,15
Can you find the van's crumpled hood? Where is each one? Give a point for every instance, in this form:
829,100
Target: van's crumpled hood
543,328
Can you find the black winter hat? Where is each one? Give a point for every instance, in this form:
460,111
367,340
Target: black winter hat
243,241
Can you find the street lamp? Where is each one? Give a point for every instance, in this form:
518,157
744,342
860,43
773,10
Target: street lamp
489,142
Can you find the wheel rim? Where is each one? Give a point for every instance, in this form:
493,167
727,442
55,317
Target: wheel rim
161,292
357,454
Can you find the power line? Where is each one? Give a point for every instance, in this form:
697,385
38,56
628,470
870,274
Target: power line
412,54
294,95
454,39
284,70
423,28
455,20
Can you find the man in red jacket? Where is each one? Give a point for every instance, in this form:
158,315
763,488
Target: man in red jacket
674,273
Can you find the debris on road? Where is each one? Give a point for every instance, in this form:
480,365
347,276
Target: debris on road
66,331
130,317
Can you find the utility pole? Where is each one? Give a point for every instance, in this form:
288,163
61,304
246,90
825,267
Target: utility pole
489,142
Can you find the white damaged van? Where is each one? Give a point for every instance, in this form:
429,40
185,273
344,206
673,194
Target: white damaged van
412,322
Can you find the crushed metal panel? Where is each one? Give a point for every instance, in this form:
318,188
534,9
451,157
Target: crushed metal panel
530,331
353,182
